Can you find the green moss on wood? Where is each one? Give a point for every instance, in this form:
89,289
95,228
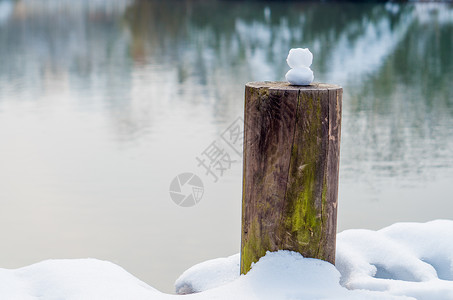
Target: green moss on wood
254,247
303,218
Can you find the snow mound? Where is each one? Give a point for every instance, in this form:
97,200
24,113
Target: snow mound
403,261
278,275
410,259
208,275
72,279
282,275
413,259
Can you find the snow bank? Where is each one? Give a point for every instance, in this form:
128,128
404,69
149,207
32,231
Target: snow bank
413,259
208,275
279,275
72,279
403,261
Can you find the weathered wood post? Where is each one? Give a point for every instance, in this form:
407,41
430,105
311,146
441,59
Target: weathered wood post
290,179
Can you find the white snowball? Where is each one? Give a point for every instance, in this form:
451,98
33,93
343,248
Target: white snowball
299,57
300,76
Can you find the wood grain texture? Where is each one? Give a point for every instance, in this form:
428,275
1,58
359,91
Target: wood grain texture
290,177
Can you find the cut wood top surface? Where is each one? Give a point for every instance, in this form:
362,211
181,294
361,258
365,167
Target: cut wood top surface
283,85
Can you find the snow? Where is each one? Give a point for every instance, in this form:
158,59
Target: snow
414,259
300,76
410,259
402,261
208,275
299,60
72,279
299,57
278,275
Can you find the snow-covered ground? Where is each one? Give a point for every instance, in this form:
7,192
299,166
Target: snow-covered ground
403,261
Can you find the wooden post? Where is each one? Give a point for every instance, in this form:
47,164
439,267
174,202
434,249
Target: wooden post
290,179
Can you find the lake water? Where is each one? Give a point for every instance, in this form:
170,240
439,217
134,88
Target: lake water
103,103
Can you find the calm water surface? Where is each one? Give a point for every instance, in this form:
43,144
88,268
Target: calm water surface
103,103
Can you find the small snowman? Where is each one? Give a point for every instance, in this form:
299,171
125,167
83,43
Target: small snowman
299,60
